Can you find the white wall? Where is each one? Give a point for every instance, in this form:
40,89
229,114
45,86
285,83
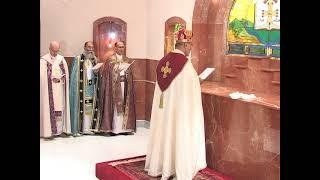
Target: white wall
71,23
158,12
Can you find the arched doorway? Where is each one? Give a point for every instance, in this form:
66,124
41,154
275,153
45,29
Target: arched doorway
106,31
172,25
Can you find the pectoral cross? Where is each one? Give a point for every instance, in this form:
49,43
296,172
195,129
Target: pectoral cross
166,69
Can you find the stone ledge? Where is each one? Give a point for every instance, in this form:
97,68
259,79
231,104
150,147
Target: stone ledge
218,89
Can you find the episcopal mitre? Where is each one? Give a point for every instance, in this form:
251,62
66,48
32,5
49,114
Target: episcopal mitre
184,35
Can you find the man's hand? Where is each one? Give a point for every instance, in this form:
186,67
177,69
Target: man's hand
95,71
55,80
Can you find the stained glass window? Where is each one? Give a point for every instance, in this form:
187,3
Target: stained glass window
254,28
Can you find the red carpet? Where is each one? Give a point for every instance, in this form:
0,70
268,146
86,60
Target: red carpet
133,169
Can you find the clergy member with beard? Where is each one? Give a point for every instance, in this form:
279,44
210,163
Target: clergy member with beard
177,140
54,94
83,92
118,115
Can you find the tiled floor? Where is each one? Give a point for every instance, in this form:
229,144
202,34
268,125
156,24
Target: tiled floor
75,158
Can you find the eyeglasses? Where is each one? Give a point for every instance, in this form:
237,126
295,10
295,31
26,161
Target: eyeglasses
120,46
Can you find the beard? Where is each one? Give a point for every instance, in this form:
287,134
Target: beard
89,55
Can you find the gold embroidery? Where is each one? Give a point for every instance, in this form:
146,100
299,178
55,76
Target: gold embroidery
161,101
166,69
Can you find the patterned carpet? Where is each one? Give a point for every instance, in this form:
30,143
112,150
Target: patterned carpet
133,169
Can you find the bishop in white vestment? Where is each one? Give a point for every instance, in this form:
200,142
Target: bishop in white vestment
54,94
177,140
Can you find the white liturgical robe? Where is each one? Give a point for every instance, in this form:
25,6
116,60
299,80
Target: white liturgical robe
177,140
58,111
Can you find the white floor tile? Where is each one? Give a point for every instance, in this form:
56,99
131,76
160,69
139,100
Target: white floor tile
74,158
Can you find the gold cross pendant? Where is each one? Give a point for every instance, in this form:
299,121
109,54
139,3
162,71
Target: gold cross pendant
166,69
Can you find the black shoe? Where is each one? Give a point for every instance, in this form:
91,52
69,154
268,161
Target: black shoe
112,134
48,138
64,135
127,133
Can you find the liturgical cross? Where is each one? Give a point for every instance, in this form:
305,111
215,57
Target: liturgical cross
270,12
166,69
